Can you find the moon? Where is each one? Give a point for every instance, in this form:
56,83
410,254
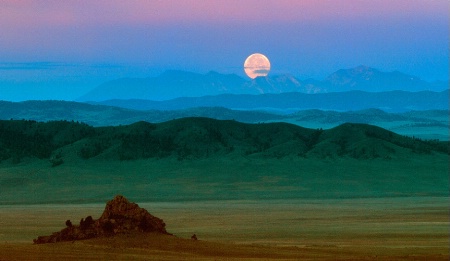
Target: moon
256,65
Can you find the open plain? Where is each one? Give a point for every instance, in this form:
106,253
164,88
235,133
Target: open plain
339,229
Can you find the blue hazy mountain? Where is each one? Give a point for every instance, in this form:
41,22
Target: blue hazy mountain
175,84
369,79
168,85
392,101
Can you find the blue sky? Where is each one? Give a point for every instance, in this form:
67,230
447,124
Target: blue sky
62,49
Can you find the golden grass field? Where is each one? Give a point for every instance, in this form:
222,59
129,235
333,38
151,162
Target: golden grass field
414,228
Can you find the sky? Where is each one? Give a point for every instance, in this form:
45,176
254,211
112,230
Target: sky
62,49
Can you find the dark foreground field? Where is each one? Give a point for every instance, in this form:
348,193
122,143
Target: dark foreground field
351,229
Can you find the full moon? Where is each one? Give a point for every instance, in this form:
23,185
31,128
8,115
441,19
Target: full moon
256,65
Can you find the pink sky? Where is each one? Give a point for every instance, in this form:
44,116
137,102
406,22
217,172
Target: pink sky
31,13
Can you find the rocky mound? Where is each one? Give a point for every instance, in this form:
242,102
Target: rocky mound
120,216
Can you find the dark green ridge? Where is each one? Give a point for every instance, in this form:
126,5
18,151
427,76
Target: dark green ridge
195,138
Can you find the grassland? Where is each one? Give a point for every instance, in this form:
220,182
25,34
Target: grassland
337,229
173,180
259,191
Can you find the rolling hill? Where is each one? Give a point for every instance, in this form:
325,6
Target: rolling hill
195,138
206,159
104,115
431,124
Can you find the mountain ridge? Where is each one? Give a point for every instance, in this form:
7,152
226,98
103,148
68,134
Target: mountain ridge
366,78
392,101
174,83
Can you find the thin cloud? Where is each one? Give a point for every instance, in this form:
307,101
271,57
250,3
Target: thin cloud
262,71
51,65
28,66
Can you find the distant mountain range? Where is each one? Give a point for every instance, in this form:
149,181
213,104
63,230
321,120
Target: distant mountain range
168,85
369,79
175,84
392,101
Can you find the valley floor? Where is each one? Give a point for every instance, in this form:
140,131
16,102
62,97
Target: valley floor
339,229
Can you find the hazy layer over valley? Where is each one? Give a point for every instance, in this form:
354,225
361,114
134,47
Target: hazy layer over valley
428,124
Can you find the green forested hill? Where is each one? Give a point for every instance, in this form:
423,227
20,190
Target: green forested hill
195,138
206,159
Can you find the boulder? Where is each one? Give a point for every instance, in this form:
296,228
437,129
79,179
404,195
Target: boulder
120,216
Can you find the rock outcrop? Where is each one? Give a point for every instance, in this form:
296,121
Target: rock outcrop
120,216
